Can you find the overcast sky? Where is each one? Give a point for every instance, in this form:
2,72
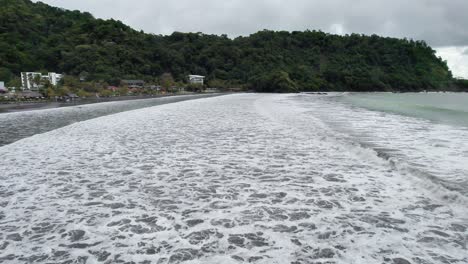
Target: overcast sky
442,23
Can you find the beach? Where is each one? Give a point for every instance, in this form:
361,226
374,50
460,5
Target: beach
259,178
36,105
41,118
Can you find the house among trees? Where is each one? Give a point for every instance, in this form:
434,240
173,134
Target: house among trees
134,83
32,80
196,79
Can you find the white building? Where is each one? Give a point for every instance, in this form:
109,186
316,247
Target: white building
54,78
29,79
2,85
196,79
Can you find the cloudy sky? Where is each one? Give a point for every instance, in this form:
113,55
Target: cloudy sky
442,23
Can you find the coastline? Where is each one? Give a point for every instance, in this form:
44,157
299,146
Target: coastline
15,126
29,106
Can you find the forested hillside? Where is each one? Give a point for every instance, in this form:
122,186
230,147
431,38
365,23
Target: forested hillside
38,37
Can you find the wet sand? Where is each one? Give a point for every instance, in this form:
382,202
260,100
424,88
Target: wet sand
27,106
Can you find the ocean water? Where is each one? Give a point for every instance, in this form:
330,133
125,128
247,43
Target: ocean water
425,133
18,125
245,178
445,108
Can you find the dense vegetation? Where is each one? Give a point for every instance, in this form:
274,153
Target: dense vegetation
37,37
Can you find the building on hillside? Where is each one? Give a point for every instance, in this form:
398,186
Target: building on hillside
134,83
31,80
2,85
54,78
196,79
28,80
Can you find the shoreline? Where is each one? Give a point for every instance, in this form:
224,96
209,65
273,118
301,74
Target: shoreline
29,106
29,123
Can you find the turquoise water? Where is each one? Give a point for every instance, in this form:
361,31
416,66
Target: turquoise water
424,135
444,108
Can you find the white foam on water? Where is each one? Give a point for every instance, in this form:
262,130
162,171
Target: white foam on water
436,152
241,178
18,125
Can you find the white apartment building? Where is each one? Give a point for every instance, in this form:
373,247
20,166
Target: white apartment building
29,79
196,79
54,78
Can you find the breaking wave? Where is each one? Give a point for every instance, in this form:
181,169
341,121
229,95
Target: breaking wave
431,151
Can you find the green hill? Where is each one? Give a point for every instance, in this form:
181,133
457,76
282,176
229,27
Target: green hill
35,37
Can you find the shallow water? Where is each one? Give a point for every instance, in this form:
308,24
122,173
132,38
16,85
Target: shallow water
444,108
18,125
241,178
406,129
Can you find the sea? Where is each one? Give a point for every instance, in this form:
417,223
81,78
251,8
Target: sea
22,124
240,178
425,133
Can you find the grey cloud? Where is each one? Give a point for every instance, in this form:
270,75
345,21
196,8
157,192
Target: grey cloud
439,22
457,59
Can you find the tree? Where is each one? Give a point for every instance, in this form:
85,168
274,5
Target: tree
280,82
217,83
32,37
44,87
36,80
195,87
5,74
461,84
167,81
14,82
71,81
122,91
50,93
83,93
105,93
63,91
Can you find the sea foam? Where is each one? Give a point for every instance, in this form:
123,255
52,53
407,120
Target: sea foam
239,178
